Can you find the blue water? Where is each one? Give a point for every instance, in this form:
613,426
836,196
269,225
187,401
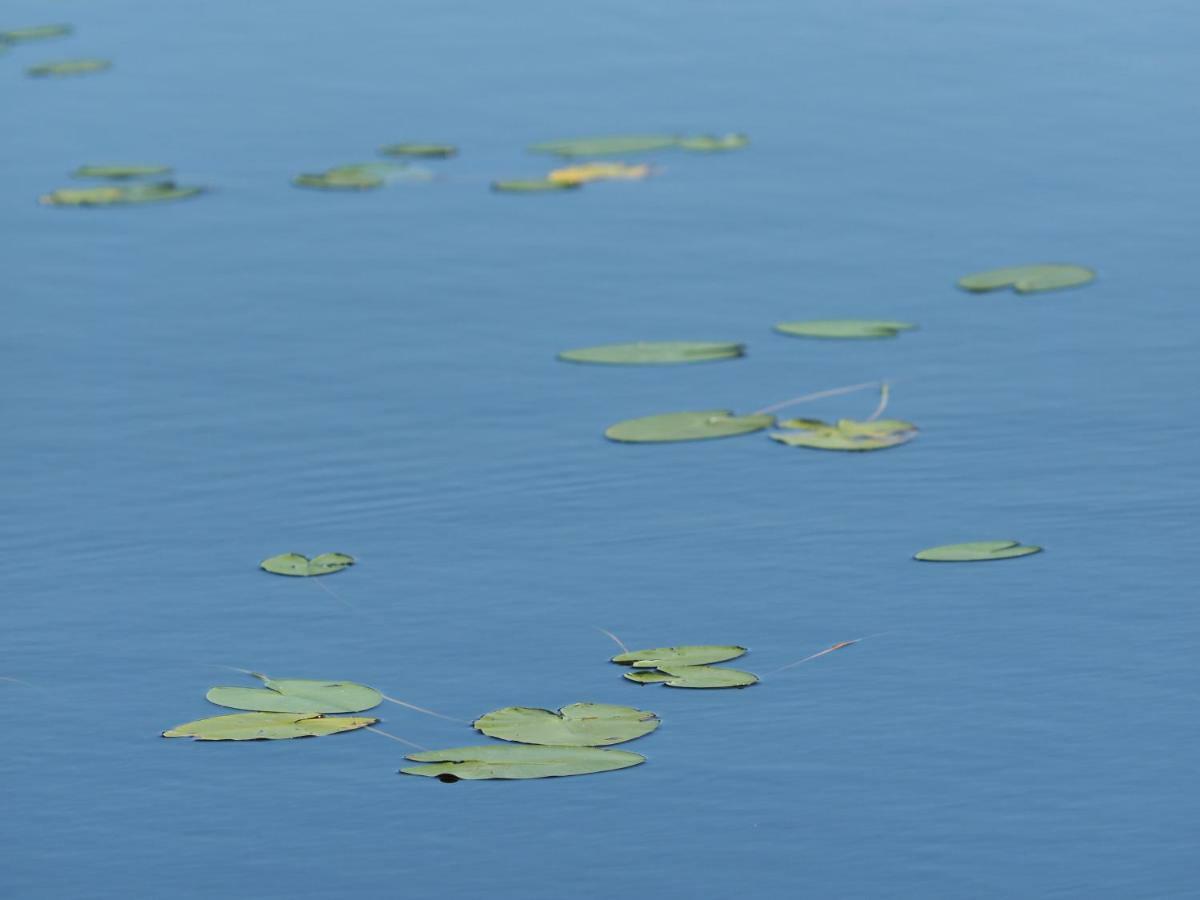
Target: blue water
193,387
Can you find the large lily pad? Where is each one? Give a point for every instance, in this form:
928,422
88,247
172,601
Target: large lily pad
125,195
1028,279
706,677
708,143
649,353
298,695
120,172
425,151
68,67
977,551
34,33
512,761
838,329
687,655
577,725
584,173
687,426
266,726
845,434
299,565
533,186
606,146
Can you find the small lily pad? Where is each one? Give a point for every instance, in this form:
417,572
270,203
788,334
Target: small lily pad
35,33
577,725
120,172
127,195
707,143
687,426
648,676
353,177
68,67
839,329
606,146
599,171
650,353
977,551
845,434
533,186
426,151
266,726
298,695
707,677
513,761
687,655
1028,279
300,565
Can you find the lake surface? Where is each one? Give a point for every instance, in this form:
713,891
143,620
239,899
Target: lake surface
190,388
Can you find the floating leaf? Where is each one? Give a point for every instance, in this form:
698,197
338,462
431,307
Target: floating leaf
509,761
648,676
577,725
606,146
35,33
844,328
687,426
358,176
266,726
129,195
687,655
298,695
598,171
708,143
427,151
68,67
977,551
533,186
298,564
706,677
845,434
120,171
1027,279
644,353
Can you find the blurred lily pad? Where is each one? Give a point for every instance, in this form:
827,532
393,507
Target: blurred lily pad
844,328
1028,279
577,725
977,551
687,655
68,67
300,565
35,33
360,176
599,171
427,151
266,726
699,677
644,353
707,143
513,761
606,146
687,426
533,186
128,195
845,434
120,172
298,695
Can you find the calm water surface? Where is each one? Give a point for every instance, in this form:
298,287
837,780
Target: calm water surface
191,388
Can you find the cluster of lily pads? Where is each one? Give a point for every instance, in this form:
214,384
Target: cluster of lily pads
689,666
134,184
56,69
370,175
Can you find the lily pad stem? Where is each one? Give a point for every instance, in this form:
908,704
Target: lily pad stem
819,395
421,709
624,649
885,391
394,737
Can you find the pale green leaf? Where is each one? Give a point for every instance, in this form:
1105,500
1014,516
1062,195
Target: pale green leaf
125,195
844,328
707,143
687,655
427,151
34,33
606,146
1027,279
299,565
298,695
707,677
117,171
577,725
68,67
533,186
654,353
977,551
510,761
687,426
845,434
266,726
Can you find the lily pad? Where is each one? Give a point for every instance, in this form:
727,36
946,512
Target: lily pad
427,151
599,171
687,426
68,67
844,328
354,177
706,677
512,761
687,655
977,551
35,33
533,186
845,434
300,565
649,353
128,195
648,676
606,146
120,172
707,143
266,726
1028,279
577,725
298,695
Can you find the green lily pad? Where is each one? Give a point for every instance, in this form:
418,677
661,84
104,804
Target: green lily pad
707,143
1028,279
511,761
120,172
644,353
977,551
126,195
648,676
357,176
707,677
534,186
68,67
687,655
606,146
300,565
845,434
35,33
687,426
298,695
266,726
427,151
844,328
577,725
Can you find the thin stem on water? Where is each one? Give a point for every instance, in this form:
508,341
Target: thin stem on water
618,641
885,392
394,737
838,646
421,709
819,395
